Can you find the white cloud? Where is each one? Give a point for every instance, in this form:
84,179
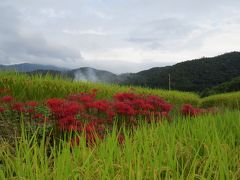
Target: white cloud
119,35
52,13
85,32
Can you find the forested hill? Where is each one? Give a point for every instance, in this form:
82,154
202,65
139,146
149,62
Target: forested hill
194,75
229,86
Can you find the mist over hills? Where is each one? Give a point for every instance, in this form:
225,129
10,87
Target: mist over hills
192,75
93,75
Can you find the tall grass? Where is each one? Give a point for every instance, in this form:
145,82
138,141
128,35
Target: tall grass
206,147
226,100
39,88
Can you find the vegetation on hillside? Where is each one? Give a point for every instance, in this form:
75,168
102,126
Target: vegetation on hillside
39,88
199,75
59,129
225,100
230,86
195,75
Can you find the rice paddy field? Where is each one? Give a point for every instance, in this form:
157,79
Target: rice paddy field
50,131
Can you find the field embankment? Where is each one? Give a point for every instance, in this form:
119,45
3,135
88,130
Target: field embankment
74,139
40,88
226,100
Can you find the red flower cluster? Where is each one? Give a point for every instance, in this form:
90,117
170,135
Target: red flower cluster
7,99
84,113
189,110
131,104
8,103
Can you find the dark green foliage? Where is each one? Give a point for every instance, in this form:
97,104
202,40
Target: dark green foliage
195,75
231,86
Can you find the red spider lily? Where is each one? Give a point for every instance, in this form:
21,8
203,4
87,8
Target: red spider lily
98,121
38,116
54,102
110,116
165,115
155,101
141,104
124,108
19,107
71,108
68,123
80,125
148,107
2,110
189,110
166,107
100,105
88,117
90,127
121,139
143,112
82,97
31,104
125,96
61,109
138,103
7,99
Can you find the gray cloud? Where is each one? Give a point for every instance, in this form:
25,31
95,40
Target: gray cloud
119,35
162,33
17,45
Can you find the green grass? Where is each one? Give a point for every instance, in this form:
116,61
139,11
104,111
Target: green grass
39,88
42,87
206,147
227,100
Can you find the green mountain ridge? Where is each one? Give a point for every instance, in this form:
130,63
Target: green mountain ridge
229,86
198,75
193,75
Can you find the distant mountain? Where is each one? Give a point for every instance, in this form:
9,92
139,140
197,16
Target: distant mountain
229,86
53,73
83,73
194,75
93,75
27,67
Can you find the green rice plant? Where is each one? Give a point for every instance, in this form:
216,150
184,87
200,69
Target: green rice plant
205,147
227,100
39,88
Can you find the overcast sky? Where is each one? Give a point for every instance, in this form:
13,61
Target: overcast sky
116,35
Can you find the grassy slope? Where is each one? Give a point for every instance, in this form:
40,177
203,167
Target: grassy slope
205,147
40,88
230,100
202,148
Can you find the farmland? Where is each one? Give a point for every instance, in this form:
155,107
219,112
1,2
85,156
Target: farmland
58,129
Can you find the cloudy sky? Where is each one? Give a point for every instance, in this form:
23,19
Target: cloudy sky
116,35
